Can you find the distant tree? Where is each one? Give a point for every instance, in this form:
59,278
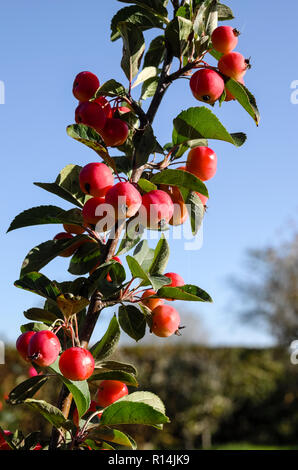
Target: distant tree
270,291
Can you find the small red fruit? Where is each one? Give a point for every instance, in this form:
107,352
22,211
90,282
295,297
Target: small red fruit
157,208
103,102
91,114
44,348
180,214
125,199
110,391
115,132
75,229
207,85
225,39
233,65
3,443
202,162
76,363
176,280
85,85
96,179
23,343
151,303
32,372
89,209
203,198
165,321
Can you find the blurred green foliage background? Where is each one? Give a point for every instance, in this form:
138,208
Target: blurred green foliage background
214,396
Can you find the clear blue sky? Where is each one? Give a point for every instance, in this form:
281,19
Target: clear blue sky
253,196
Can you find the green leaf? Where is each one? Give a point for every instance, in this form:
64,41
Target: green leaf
145,74
146,185
154,6
144,143
186,292
133,49
67,186
141,18
124,377
108,343
195,209
85,258
155,52
115,365
149,88
50,413
161,257
88,136
39,284
143,254
177,34
132,321
212,20
42,215
38,314
131,237
79,390
42,254
26,389
135,408
104,433
111,88
180,179
202,16
184,11
245,98
200,122
224,13
33,327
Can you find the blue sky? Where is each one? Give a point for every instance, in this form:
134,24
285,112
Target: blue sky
253,196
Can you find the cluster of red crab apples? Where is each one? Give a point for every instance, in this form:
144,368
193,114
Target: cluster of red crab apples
208,84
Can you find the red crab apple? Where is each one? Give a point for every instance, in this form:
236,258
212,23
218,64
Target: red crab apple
85,85
76,363
91,114
97,212
180,214
32,372
151,303
96,179
44,348
202,162
106,107
125,199
3,443
233,65
23,343
225,39
165,321
115,132
157,209
207,85
110,391
176,280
